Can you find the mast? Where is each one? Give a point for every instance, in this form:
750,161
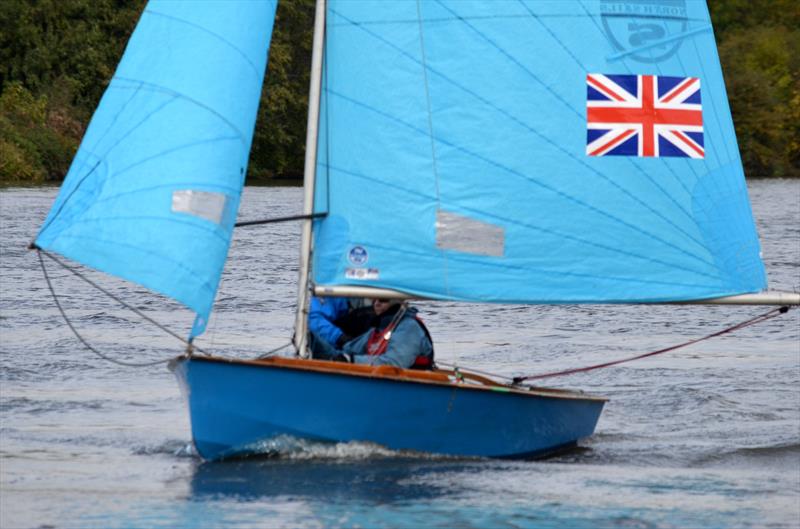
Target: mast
309,178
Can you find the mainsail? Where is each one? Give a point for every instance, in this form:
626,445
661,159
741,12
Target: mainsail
530,151
153,191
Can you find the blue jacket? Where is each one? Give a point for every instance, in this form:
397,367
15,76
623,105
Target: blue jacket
408,341
321,315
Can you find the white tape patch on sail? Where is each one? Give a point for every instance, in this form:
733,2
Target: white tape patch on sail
463,234
204,204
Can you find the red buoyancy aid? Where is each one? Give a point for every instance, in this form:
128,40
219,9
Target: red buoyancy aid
378,342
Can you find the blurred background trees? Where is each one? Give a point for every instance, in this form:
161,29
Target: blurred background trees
57,56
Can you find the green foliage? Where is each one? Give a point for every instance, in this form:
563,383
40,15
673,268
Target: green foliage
730,15
36,143
762,70
279,141
57,56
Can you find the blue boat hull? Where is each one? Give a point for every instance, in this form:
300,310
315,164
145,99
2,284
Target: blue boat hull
234,405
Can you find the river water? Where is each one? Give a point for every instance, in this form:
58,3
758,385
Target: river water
707,436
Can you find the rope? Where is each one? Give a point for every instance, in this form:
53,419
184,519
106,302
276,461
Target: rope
273,351
758,319
39,253
470,370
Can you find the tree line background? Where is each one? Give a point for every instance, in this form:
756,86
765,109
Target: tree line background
57,56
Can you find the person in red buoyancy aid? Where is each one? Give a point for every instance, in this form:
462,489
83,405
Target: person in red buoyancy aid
398,338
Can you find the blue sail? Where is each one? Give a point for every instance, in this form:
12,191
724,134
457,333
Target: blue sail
154,188
530,151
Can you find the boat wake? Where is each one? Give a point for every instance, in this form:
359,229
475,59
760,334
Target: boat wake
294,448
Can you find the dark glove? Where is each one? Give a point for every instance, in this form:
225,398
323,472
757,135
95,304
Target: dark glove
343,339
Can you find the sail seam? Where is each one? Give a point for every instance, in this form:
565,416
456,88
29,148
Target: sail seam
536,228
209,32
175,185
537,133
442,19
68,197
100,159
536,182
170,218
174,150
152,87
632,161
574,110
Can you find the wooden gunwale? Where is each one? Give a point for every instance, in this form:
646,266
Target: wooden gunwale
396,374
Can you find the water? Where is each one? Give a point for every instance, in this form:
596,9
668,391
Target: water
707,436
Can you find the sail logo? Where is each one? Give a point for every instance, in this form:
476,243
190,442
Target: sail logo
644,115
648,31
358,255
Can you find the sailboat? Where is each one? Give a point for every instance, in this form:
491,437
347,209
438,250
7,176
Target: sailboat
534,152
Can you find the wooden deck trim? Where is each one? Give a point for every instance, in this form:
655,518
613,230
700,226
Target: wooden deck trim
397,374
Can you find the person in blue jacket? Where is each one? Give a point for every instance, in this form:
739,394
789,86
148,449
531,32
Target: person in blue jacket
398,338
322,316
338,320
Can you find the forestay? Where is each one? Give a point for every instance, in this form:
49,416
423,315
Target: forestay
153,191
530,151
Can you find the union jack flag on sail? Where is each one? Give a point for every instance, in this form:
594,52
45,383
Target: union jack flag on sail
643,115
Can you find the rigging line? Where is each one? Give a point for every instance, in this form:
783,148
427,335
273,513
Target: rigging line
431,135
280,219
136,311
477,371
204,283
758,319
77,334
428,102
273,351
532,130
